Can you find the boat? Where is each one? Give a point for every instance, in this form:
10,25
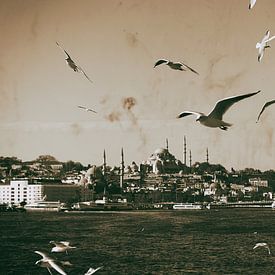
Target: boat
188,206
52,206
103,205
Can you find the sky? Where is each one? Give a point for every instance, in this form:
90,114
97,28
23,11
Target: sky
117,43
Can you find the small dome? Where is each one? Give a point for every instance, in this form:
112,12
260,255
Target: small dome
214,185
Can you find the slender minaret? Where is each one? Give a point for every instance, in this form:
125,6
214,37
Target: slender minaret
122,169
167,144
207,156
104,164
190,158
184,151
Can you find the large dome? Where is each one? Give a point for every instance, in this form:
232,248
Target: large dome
163,160
161,151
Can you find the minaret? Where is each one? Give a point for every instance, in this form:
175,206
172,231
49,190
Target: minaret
104,164
184,151
190,158
207,156
167,144
122,169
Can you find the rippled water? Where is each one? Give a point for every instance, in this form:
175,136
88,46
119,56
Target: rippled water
183,242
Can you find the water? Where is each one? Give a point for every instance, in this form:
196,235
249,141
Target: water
172,242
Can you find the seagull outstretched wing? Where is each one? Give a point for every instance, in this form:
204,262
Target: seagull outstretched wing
192,70
269,39
266,105
251,4
188,113
92,270
57,267
87,109
265,245
161,61
82,71
223,105
43,255
68,56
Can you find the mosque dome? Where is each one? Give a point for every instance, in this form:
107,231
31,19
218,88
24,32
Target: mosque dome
214,186
162,160
94,171
134,167
161,152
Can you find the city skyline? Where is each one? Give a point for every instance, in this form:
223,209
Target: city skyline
117,44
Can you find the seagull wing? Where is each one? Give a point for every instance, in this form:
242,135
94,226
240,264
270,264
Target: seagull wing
259,245
91,110
223,105
81,107
269,39
57,267
43,255
64,243
68,56
82,71
188,113
92,270
266,105
266,37
161,61
192,70
251,4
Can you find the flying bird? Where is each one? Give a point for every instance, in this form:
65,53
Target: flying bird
251,4
49,263
61,246
266,105
87,109
175,65
92,270
265,245
72,64
214,118
261,46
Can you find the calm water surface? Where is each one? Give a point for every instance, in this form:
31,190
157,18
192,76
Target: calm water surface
183,242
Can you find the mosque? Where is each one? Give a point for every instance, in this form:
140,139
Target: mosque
162,162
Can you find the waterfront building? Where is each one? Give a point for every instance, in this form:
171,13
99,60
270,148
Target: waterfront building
18,191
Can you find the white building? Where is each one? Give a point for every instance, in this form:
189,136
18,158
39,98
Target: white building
258,182
18,191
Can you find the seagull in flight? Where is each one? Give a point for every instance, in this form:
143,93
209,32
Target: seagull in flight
61,246
175,65
87,109
261,46
251,4
266,105
214,118
265,245
72,64
49,263
92,270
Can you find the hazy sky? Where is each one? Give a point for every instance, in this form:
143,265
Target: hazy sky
117,44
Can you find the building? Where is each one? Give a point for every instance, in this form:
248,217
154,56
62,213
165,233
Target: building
258,182
21,191
162,161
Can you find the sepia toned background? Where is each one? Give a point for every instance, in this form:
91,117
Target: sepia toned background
117,44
